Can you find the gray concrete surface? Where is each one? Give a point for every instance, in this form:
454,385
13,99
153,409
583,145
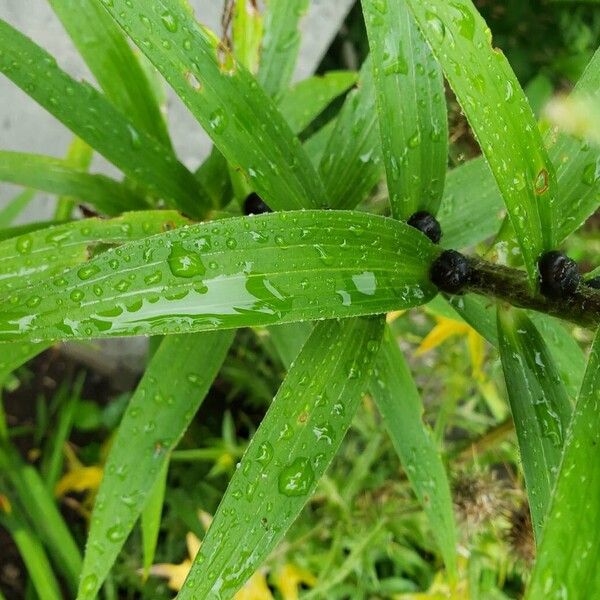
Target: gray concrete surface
26,127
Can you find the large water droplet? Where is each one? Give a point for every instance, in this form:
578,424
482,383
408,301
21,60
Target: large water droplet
297,478
185,263
169,20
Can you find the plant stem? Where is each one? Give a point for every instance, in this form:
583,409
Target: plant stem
512,286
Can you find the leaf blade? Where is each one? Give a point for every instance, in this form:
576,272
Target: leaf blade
414,134
301,454
486,86
233,273
226,100
155,420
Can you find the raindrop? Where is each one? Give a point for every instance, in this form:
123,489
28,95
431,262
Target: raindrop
218,120
87,271
185,263
169,20
296,478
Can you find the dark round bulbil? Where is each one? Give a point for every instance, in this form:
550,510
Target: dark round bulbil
450,272
254,205
559,275
427,224
594,282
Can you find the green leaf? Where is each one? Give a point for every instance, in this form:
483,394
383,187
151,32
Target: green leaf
173,387
578,163
306,100
567,560
398,400
281,44
113,64
316,144
33,554
241,119
57,176
500,117
236,272
49,252
15,354
288,454
411,108
79,156
471,210
351,163
539,404
15,206
43,514
151,516
247,32
95,120
566,352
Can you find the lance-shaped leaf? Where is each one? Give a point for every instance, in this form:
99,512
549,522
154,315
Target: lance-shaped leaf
237,272
11,210
95,120
567,560
280,44
49,252
305,101
411,108
472,209
351,164
163,405
113,63
500,116
57,176
290,451
241,119
539,404
401,408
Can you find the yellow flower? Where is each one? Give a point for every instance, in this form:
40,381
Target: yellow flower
288,579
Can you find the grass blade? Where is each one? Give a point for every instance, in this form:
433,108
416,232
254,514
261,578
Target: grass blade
237,272
567,561
411,108
42,512
165,401
539,404
59,177
500,116
401,408
113,63
246,33
151,515
33,554
281,44
351,163
290,451
226,100
95,120
306,100
49,252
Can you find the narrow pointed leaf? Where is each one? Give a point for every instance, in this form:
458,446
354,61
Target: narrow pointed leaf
237,272
471,210
306,100
95,120
281,44
539,404
151,516
113,63
43,514
411,108
401,408
288,454
57,176
567,560
247,33
500,116
165,401
241,119
49,252
351,164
